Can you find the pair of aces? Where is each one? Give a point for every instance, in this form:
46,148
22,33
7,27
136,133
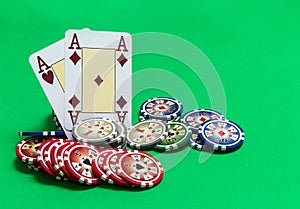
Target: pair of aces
85,75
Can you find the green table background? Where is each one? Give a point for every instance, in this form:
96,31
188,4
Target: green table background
254,46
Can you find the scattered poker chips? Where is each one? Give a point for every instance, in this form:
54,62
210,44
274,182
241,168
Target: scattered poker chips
98,154
169,110
146,134
161,108
223,135
83,163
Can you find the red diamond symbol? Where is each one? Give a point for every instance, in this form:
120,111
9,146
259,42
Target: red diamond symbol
121,102
122,60
202,119
98,80
74,101
75,58
221,133
161,107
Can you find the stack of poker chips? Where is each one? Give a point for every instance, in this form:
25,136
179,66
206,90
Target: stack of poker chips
69,160
100,132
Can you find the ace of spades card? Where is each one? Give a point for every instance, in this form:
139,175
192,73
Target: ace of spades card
97,76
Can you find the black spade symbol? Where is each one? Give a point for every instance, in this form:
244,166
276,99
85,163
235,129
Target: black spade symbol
87,161
139,167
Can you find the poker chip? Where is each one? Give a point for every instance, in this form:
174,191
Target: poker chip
121,134
95,130
161,108
222,135
54,155
139,168
97,164
78,161
33,167
146,134
115,142
178,136
195,118
109,166
42,162
50,155
26,149
196,142
123,146
59,165
141,118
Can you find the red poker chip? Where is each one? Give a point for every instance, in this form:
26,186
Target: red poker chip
59,165
54,155
139,168
41,159
49,153
26,149
33,167
78,161
97,164
109,166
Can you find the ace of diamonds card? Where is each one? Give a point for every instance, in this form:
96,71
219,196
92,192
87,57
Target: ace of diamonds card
97,76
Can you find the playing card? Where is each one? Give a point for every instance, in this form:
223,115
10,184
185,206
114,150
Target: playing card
48,65
97,76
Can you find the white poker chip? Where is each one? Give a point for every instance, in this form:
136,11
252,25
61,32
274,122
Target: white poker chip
147,134
95,130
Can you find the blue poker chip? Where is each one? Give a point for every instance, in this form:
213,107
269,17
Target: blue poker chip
222,135
196,142
161,108
195,118
141,118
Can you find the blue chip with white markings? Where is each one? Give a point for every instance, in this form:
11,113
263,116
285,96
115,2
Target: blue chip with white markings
161,108
222,135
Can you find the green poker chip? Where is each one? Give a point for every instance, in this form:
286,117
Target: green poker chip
178,136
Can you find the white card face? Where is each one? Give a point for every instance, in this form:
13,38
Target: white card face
97,76
48,66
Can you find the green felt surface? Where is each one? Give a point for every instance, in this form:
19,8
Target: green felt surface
254,47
